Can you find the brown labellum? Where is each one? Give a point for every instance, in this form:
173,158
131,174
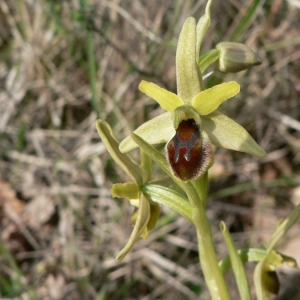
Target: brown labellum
188,155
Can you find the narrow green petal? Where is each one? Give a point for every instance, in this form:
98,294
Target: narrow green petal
125,161
210,99
226,133
128,190
156,131
202,26
140,225
187,72
237,264
167,100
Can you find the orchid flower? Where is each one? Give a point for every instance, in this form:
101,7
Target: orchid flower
144,219
192,122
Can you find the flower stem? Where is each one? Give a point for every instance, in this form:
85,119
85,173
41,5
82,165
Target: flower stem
208,59
207,254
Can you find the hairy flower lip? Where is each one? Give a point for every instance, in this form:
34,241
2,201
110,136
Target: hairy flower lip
189,153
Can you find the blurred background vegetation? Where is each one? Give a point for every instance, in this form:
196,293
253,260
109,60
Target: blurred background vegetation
65,63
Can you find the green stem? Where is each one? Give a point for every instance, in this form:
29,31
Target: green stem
208,59
200,185
207,254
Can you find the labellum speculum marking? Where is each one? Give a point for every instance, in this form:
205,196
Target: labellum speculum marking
185,151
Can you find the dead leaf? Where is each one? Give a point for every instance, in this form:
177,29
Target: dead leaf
38,211
10,215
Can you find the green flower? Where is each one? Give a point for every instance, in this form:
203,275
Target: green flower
192,121
145,218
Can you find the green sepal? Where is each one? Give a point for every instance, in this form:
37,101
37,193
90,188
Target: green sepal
167,100
209,100
187,73
202,26
139,227
224,132
128,190
169,198
156,131
125,161
237,264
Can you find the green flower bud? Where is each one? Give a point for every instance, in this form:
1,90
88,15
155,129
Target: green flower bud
236,57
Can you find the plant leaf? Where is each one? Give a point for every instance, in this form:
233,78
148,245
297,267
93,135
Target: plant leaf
170,198
155,131
167,100
209,100
226,133
237,265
